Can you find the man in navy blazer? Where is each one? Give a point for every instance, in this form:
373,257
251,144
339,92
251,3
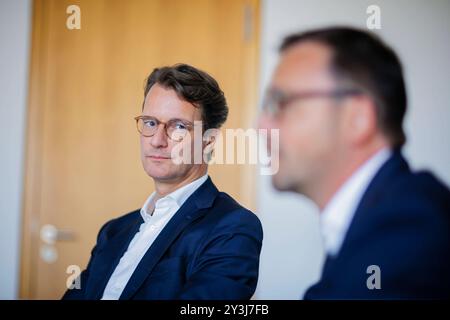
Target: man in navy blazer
188,241
401,226
338,98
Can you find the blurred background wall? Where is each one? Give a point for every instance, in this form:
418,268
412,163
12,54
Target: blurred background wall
15,23
292,252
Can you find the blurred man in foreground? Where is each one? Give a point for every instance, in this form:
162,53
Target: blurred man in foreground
338,97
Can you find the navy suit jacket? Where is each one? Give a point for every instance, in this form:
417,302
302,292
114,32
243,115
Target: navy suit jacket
401,225
208,250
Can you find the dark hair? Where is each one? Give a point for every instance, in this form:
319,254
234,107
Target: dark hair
196,87
363,59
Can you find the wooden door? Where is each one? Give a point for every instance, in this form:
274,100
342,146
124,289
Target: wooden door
82,161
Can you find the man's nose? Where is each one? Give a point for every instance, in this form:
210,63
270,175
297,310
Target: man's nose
159,139
265,121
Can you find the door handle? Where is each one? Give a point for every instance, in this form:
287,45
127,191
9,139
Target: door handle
50,234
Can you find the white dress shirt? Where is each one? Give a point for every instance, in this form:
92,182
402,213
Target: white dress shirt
338,213
164,209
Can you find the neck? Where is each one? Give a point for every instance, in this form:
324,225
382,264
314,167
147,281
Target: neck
165,187
341,173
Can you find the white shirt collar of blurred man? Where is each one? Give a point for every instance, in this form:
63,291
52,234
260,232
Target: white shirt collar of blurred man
336,217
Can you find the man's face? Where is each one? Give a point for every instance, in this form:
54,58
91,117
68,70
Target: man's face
156,151
309,131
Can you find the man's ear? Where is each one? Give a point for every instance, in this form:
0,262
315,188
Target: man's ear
209,141
361,124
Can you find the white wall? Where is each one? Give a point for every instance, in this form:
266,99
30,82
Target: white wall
419,30
14,47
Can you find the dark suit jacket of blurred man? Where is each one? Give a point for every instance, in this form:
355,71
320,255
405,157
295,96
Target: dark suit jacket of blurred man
402,218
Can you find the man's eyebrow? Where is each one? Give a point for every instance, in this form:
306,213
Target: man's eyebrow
179,119
171,119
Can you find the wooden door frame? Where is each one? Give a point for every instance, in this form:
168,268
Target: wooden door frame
33,156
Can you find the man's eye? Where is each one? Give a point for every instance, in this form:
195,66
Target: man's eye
180,126
150,123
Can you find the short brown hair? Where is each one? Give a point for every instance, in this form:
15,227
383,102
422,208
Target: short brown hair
365,60
196,87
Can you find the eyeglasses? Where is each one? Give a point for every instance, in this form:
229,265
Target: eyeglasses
275,101
175,129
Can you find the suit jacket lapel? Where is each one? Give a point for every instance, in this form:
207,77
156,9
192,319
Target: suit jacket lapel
191,210
395,165
107,259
